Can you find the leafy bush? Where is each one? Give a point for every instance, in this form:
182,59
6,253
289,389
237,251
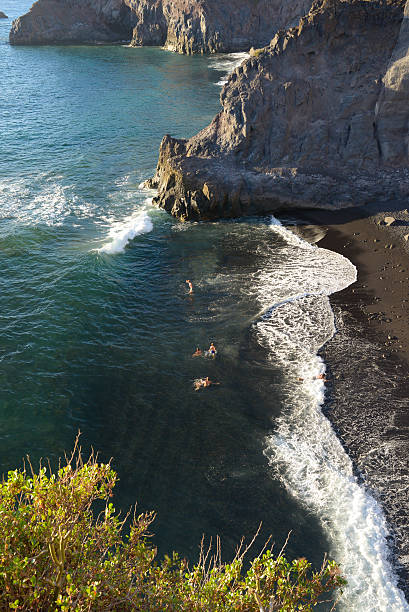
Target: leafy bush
56,555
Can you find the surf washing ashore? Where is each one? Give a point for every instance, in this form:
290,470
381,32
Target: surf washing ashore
98,330
294,332
369,386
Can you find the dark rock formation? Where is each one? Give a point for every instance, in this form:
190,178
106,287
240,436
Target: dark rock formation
210,26
3,15
319,118
74,21
186,26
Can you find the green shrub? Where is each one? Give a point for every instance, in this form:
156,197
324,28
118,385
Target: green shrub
56,555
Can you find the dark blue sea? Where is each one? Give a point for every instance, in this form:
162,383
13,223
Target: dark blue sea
97,330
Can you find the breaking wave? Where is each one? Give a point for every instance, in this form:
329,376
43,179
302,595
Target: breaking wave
227,63
304,452
122,232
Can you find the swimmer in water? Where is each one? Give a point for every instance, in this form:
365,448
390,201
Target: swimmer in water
198,384
319,377
203,382
212,350
197,353
189,283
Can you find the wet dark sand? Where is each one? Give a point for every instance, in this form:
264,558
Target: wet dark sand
368,360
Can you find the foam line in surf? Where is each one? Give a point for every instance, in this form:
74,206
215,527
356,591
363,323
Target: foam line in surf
45,199
304,452
227,63
288,235
122,232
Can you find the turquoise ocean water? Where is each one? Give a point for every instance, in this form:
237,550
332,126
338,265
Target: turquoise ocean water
97,332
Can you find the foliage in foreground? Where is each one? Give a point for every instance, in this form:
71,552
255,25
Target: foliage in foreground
55,555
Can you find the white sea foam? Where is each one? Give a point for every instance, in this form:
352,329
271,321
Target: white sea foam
142,186
123,181
227,63
42,200
304,451
122,232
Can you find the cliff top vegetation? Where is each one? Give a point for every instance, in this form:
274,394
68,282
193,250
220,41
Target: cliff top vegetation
57,553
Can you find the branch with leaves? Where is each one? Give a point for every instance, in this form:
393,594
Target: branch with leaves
56,555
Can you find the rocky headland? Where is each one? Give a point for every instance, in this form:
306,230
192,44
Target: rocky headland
185,26
74,21
3,15
318,118
213,26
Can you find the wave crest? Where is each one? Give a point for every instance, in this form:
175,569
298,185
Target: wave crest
122,232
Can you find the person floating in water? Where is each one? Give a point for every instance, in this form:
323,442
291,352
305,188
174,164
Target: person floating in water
190,285
200,383
212,350
197,353
318,377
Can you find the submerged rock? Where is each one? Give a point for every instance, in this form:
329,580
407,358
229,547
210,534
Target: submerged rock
308,121
186,26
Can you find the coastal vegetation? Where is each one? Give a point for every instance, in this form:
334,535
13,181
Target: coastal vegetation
65,548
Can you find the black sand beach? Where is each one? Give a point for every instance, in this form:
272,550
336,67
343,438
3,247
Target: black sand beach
368,358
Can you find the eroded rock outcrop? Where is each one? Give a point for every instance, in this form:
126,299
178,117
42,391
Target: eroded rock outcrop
319,118
3,15
74,21
186,26
209,26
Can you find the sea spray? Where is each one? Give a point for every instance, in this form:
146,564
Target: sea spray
227,63
122,232
304,452
42,199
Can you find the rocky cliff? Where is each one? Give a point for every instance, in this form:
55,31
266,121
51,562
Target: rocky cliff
74,21
186,26
318,118
209,26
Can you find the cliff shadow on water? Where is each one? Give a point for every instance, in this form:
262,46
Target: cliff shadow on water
197,457
256,446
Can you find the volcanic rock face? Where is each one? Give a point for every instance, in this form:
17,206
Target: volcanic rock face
319,118
392,111
209,26
74,21
186,26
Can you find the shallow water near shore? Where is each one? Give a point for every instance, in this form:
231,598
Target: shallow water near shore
98,329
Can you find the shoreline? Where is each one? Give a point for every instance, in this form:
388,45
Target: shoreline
367,398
